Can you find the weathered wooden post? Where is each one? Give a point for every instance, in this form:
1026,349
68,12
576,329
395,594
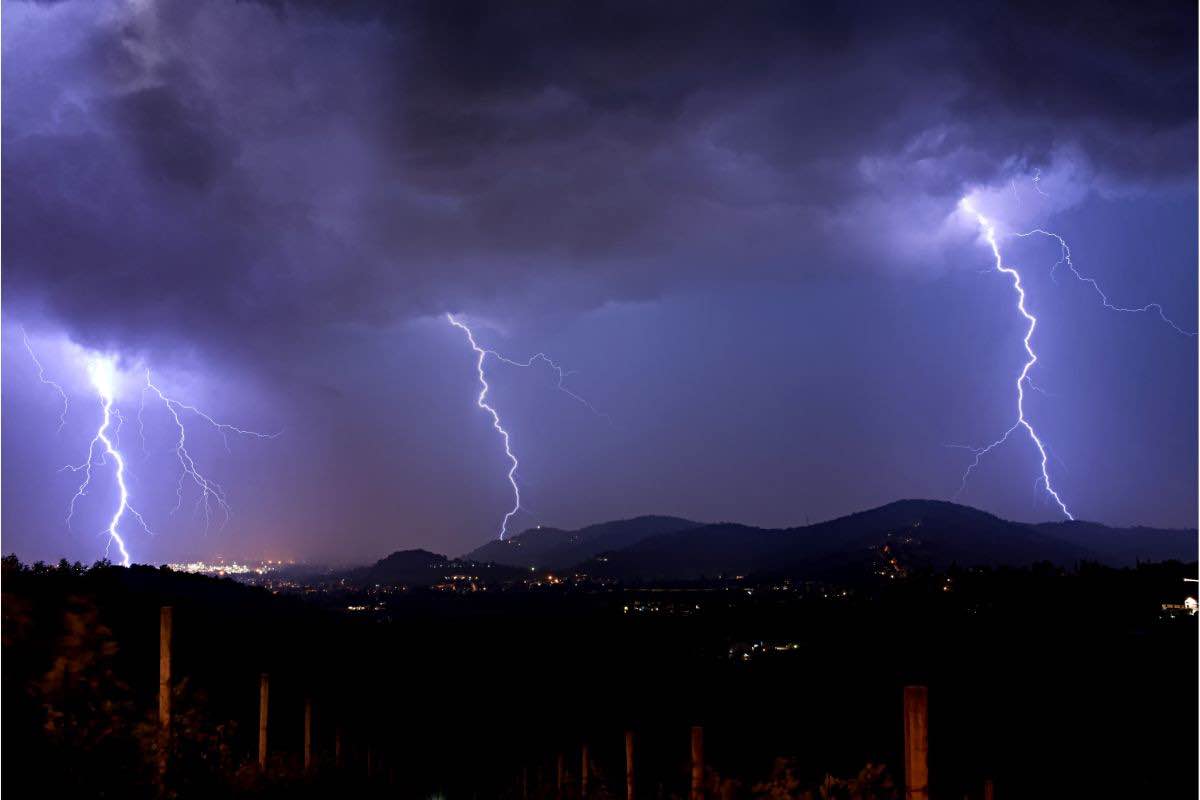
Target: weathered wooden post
164,667
263,690
165,620
524,783
989,790
916,743
308,734
562,776
338,761
583,772
370,761
628,765
697,792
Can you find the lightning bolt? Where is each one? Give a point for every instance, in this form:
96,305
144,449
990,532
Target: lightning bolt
105,448
62,416
558,371
1037,180
102,372
1064,259
1023,378
211,492
989,231
481,401
483,353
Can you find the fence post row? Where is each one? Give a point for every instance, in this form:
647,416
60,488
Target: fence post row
916,736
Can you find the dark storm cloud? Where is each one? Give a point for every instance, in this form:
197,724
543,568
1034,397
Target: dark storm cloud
232,175
173,138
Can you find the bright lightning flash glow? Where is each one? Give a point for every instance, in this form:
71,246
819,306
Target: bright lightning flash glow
989,231
105,446
102,372
481,401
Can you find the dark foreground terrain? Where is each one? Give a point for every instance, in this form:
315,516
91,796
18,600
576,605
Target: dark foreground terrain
1049,682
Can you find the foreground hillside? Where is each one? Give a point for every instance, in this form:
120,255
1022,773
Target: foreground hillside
1048,682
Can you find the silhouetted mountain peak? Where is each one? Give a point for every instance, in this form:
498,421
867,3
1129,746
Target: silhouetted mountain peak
416,567
412,558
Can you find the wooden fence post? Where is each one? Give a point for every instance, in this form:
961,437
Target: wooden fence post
583,772
562,776
165,624
263,691
916,743
628,765
697,792
308,734
165,615
989,790
338,760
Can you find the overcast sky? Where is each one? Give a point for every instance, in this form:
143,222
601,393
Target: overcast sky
740,226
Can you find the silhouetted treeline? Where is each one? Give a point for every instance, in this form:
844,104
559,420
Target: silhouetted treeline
1049,682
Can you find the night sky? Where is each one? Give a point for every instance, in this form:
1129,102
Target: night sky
738,225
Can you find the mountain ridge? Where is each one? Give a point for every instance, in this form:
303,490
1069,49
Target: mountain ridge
555,548
933,533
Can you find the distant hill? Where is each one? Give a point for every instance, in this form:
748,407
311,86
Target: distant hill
553,548
895,538
422,568
913,533
417,567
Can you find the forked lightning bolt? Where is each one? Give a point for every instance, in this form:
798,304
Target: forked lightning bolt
482,402
1023,379
989,231
482,353
210,491
102,372
105,448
